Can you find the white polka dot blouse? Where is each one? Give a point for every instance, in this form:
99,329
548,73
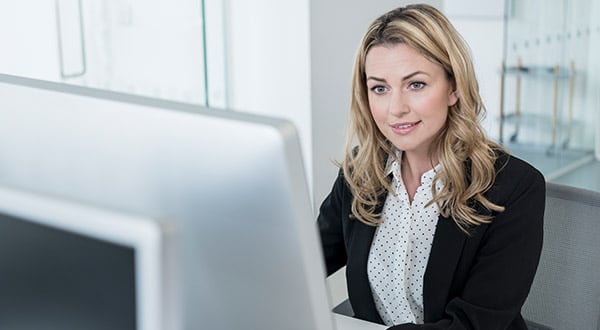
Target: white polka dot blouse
400,250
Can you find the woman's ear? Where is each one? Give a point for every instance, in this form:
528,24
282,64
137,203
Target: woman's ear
453,98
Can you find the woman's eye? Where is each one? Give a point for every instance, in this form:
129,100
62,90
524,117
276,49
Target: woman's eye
379,89
416,85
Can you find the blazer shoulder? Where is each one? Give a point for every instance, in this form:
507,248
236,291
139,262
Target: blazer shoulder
515,175
507,164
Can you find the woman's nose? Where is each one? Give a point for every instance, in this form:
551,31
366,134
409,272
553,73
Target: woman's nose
398,105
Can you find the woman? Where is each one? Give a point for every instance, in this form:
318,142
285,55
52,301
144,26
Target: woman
437,225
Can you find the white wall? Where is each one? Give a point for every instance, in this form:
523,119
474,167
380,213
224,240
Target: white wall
269,62
482,26
336,29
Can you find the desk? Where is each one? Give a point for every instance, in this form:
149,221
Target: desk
343,322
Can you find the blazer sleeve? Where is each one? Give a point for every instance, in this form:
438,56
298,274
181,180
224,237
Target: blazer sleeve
505,260
331,227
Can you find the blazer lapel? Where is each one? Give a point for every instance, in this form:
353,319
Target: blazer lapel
445,253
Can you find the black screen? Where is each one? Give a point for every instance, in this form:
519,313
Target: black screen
55,279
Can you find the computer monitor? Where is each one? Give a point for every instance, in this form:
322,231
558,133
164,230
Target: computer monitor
233,184
71,266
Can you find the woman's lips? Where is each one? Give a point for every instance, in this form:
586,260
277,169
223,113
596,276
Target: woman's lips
404,128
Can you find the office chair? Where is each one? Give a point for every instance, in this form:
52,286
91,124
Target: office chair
565,294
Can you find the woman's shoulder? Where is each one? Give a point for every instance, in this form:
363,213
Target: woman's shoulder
510,165
515,175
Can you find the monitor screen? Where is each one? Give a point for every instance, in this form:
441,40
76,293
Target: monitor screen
233,184
60,280
65,265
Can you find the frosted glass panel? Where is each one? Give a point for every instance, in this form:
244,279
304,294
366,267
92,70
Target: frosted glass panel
550,80
143,47
29,39
146,47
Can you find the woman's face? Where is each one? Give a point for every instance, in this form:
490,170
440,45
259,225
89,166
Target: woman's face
409,96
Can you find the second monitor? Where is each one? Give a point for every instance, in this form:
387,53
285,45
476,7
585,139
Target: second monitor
233,184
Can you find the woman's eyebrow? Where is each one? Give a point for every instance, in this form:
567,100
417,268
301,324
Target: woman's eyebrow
408,76
376,79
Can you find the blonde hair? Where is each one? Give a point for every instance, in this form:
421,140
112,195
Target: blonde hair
467,156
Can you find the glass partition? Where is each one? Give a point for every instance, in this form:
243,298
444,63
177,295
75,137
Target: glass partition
143,47
550,82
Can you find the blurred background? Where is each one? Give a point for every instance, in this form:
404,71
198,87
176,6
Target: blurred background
293,59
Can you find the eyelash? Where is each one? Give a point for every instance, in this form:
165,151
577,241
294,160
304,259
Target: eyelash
375,88
420,83
415,85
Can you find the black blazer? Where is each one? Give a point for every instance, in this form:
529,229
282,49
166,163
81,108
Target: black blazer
476,281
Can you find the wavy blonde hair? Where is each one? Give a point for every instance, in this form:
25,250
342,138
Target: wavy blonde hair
467,156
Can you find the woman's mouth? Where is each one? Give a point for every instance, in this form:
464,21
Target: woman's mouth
404,128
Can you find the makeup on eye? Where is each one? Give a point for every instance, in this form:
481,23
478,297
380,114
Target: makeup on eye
412,85
377,85
378,89
417,85
410,81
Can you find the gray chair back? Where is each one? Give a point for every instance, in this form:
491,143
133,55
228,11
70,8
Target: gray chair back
565,294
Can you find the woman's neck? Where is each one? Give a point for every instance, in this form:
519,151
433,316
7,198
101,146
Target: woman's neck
413,167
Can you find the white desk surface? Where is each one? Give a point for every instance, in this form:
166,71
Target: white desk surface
343,322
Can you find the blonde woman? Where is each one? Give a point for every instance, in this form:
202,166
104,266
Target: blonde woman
437,225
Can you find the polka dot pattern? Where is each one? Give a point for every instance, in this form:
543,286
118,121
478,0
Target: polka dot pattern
400,251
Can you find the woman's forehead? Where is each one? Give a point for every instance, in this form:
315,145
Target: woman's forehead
399,56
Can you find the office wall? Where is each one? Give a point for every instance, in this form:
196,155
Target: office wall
482,26
336,27
268,65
